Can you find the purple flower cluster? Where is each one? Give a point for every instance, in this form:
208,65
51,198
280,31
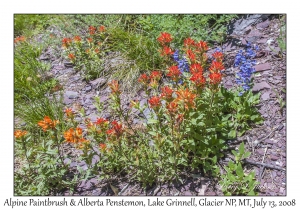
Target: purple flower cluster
244,60
183,64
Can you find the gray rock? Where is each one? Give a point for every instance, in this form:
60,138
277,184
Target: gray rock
266,96
274,158
88,88
240,25
262,67
67,101
263,25
71,94
98,82
259,86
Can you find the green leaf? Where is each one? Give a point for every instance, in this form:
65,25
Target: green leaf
153,133
242,148
247,154
152,121
240,171
232,134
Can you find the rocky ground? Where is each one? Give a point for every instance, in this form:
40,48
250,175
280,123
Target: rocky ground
266,142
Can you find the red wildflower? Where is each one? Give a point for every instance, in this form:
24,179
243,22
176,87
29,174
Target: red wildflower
166,93
215,78
19,134
69,112
89,39
102,146
218,56
144,79
188,42
154,102
198,79
47,123
174,73
102,28
196,68
186,97
156,75
172,107
114,86
92,30
166,51
97,50
75,137
191,55
116,129
77,38
202,46
101,121
19,39
66,42
71,56
164,38
216,66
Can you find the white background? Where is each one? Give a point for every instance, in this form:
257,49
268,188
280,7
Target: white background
8,8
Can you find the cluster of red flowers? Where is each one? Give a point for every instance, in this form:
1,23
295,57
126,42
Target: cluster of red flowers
114,86
19,39
93,30
215,69
75,137
19,134
47,123
151,80
66,42
154,102
165,39
174,73
77,39
116,129
72,56
196,51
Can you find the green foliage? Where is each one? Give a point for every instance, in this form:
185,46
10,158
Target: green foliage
44,171
282,37
235,181
199,27
25,24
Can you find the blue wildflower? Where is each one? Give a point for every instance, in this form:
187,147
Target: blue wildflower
244,59
183,64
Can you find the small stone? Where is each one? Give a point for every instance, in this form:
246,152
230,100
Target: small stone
88,88
67,101
98,82
260,152
211,193
274,158
263,25
262,67
259,86
187,193
269,141
71,94
265,96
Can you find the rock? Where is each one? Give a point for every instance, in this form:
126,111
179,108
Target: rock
71,94
260,152
67,101
263,25
274,158
266,96
88,88
262,67
259,86
187,193
269,141
98,82
211,193
239,26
